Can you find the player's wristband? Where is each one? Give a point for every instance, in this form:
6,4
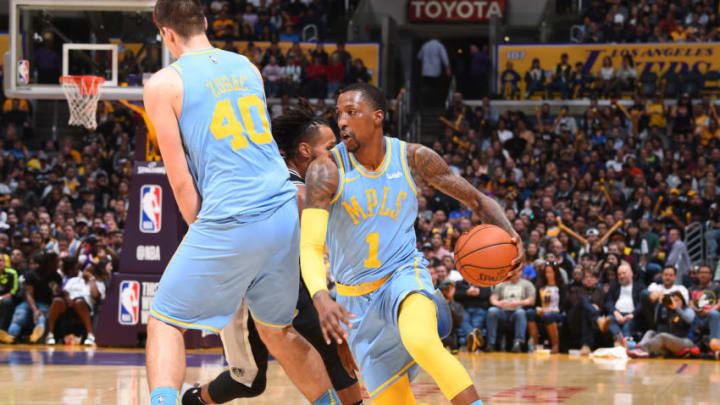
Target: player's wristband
313,229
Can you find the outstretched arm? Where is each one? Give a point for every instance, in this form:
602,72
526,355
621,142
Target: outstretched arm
321,182
428,166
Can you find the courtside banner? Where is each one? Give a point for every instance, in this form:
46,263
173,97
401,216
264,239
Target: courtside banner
455,10
657,58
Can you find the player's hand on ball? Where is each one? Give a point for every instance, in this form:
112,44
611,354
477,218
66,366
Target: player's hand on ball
519,261
347,360
331,315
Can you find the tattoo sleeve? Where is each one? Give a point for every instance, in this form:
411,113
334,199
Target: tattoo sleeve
321,182
430,168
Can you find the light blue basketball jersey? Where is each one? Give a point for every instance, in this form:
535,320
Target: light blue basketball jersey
229,147
370,230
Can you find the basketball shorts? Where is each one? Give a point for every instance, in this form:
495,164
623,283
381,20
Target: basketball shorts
245,355
375,337
219,264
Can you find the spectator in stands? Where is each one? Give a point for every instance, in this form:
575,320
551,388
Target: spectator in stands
678,256
82,293
479,71
272,75
263,23
297,52
47,61
509,79
254,53
476,302
315,75
250,17
561,78
607,84
8,289
623,301
273,50
41,285
344,55
275,18
335,73
224,28
319,51
627,74
447,287
358,73
433,57
579,81
551,300
292,74
509,302
673,320
289,34
585,314
705,301
534,79
651,299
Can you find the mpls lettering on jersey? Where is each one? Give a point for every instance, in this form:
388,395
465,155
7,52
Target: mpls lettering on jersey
222,85
385,203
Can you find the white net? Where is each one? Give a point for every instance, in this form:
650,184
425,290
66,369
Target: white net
82,93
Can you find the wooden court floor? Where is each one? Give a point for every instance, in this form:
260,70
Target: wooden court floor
32,375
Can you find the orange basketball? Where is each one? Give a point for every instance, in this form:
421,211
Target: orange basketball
483,255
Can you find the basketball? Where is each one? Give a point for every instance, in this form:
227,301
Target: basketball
483,255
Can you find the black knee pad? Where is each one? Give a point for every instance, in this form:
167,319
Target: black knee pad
224,388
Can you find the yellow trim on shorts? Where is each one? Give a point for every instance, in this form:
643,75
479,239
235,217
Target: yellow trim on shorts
417,273
403,159
360,289
391,379
385,164
180,323
176,66
270,325
341,180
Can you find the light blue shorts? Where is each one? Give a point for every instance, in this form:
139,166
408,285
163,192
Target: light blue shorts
375,338
219,264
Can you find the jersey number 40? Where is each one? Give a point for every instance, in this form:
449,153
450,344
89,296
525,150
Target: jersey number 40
225,122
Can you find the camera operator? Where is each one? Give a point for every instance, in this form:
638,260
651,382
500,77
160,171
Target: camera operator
673,319
650,299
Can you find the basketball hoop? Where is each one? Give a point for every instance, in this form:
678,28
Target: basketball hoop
82,94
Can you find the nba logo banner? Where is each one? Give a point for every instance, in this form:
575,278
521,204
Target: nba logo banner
23,72
150,208
129,303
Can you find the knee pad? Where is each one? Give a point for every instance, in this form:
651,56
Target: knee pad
224,388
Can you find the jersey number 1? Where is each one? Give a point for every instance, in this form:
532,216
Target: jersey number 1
373,240
225,122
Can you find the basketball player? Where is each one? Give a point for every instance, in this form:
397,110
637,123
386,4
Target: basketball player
363,197
231,185
301,137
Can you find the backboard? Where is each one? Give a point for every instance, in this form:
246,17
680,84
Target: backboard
115,39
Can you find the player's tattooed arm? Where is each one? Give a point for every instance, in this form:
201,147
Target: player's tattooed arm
429,167
321,182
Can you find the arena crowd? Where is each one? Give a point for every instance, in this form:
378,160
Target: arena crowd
602,199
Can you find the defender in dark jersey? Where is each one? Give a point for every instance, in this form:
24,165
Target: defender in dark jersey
301,138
